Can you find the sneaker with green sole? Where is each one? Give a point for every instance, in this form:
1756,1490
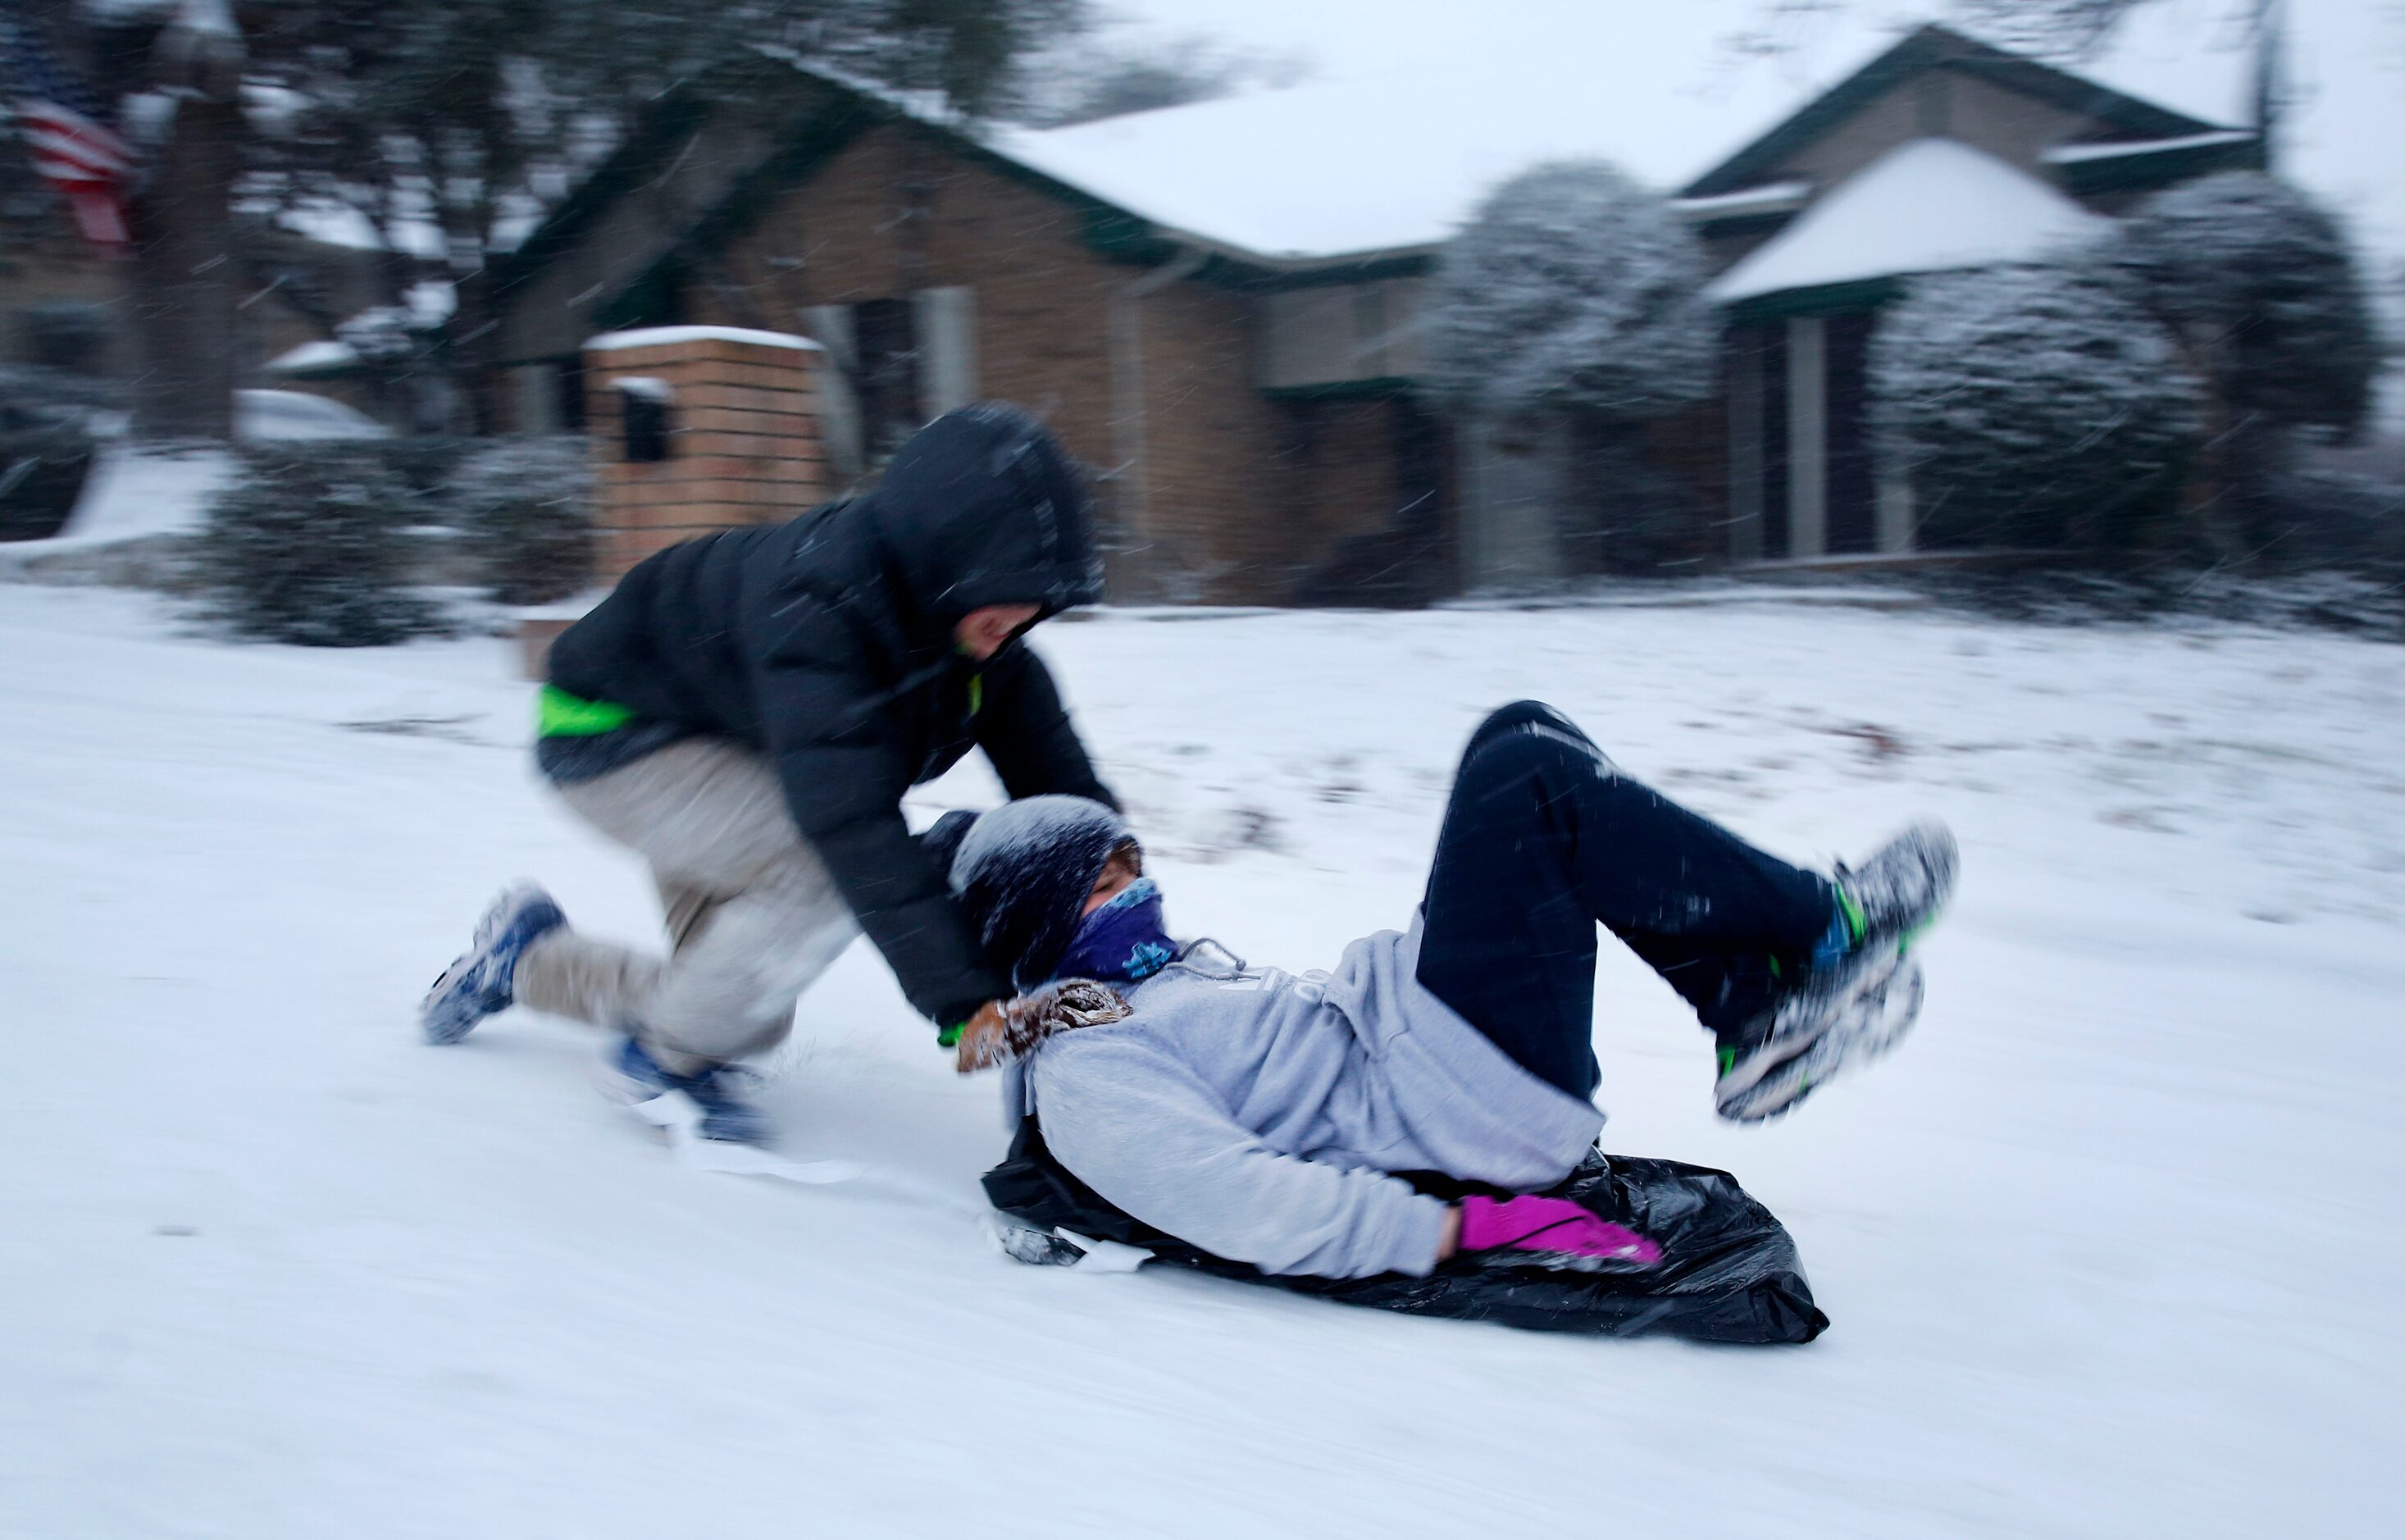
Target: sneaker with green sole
1857,1008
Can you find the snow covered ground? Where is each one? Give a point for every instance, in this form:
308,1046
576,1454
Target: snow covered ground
2112,1248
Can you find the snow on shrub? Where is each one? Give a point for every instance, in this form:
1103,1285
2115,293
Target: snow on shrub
2262,280
308,545
2034,405
1572,286
527,505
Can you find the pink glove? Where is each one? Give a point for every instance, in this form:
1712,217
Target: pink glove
1551,1224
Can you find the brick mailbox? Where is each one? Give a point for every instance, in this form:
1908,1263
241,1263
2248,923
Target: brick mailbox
694,428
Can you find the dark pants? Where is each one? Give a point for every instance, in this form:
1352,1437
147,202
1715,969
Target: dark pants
1543,840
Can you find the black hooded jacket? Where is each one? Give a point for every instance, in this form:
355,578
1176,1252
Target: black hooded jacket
827,643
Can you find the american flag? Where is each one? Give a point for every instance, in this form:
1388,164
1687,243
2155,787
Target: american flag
60,128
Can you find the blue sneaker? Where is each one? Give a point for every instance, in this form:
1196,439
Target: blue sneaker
1836,1021
637,1078
1856,1003
483,980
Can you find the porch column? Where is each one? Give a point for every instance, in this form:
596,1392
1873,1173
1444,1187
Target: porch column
1895,510
1808,437
1745,426
534,402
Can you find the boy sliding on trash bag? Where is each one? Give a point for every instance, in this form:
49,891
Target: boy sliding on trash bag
746,710
1258,1115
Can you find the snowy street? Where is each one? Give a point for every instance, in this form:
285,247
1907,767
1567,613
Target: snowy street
2110,1248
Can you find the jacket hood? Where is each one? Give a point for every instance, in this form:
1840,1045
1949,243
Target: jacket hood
980,507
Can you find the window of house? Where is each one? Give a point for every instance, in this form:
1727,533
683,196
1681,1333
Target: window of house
885,374
892,366
568,385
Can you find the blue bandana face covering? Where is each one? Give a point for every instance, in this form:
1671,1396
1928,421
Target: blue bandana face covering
1121,942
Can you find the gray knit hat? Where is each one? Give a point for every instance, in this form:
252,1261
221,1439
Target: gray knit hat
1021,873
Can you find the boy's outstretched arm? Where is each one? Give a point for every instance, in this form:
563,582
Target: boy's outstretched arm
844,776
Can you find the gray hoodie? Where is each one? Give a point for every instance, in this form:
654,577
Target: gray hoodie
1255,1113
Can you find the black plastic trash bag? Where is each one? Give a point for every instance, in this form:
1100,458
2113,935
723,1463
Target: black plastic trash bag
1728,1273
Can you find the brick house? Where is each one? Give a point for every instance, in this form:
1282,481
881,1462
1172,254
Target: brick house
1214,305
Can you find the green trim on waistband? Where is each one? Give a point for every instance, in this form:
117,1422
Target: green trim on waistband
560,715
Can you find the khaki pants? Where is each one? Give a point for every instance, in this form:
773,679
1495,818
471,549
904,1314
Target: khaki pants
754,917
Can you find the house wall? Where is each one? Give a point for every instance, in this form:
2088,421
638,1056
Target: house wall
2012,127
1212,440
1338,468
1189,489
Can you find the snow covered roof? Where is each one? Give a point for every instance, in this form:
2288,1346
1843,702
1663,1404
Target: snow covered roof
1392,159
653,336
1763,198
264,414
313,358
1398,162
1925,206
2125,149
1395,160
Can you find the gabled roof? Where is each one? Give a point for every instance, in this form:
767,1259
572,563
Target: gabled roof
1375,173
1936,47
1926,207
1395,164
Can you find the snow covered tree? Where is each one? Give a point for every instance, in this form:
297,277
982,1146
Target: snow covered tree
1572,302
2072,28
2068,29
448,125
1572,287
2262,282
1092,78
2262,286
2033,406
463,113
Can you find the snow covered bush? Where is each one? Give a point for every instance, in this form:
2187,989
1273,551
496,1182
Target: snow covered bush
2034,405
2262,282
1571,288
309,544
527,505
